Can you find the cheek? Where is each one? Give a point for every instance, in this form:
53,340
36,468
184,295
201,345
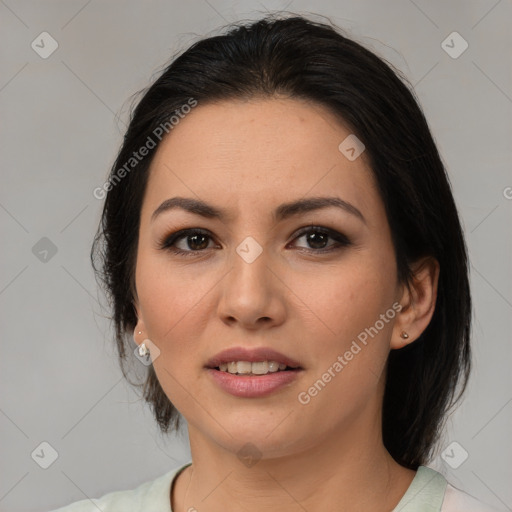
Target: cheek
349,296
351,352
172,303
171,299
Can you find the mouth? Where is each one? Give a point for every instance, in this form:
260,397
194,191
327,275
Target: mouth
258,361
253,373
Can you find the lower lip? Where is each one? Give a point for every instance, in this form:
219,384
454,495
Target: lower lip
255,385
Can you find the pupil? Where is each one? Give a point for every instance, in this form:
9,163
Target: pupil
194,240
317,238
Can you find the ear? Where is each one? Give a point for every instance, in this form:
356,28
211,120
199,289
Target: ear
140,327
418,302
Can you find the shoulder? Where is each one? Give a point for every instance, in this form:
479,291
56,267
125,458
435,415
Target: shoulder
456,500
150,496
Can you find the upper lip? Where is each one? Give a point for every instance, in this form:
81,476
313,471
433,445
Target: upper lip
251,355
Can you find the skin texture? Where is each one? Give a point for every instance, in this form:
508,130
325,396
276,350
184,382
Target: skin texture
250,157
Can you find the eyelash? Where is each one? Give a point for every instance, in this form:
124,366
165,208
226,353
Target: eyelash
167,242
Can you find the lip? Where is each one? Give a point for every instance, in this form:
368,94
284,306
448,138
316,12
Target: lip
253,386
252,356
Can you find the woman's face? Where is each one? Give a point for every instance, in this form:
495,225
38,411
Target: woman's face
254,280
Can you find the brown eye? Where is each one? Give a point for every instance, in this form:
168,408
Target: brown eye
197,241
194,241
317,239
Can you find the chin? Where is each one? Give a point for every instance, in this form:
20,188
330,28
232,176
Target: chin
276,438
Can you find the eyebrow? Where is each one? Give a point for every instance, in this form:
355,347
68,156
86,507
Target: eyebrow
281,213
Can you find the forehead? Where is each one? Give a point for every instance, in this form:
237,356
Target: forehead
260,151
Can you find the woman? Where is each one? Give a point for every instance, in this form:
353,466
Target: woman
280,238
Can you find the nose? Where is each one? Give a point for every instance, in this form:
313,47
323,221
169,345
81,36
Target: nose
252,295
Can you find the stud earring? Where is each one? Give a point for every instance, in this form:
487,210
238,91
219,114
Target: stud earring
404,335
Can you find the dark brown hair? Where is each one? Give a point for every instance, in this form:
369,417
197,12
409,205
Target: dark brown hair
300,58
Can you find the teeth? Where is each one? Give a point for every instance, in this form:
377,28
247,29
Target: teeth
256,368
259,368
273,366
243,367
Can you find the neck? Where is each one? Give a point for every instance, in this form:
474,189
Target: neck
353,469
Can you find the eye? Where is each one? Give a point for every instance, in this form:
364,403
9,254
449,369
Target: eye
317,237
195,241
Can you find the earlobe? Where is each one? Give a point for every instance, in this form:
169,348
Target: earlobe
139,327
400,339
418,303
139,333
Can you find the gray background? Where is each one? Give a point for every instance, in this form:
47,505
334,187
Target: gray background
62,121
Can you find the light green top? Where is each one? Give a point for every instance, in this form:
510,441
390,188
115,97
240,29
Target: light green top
425,494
